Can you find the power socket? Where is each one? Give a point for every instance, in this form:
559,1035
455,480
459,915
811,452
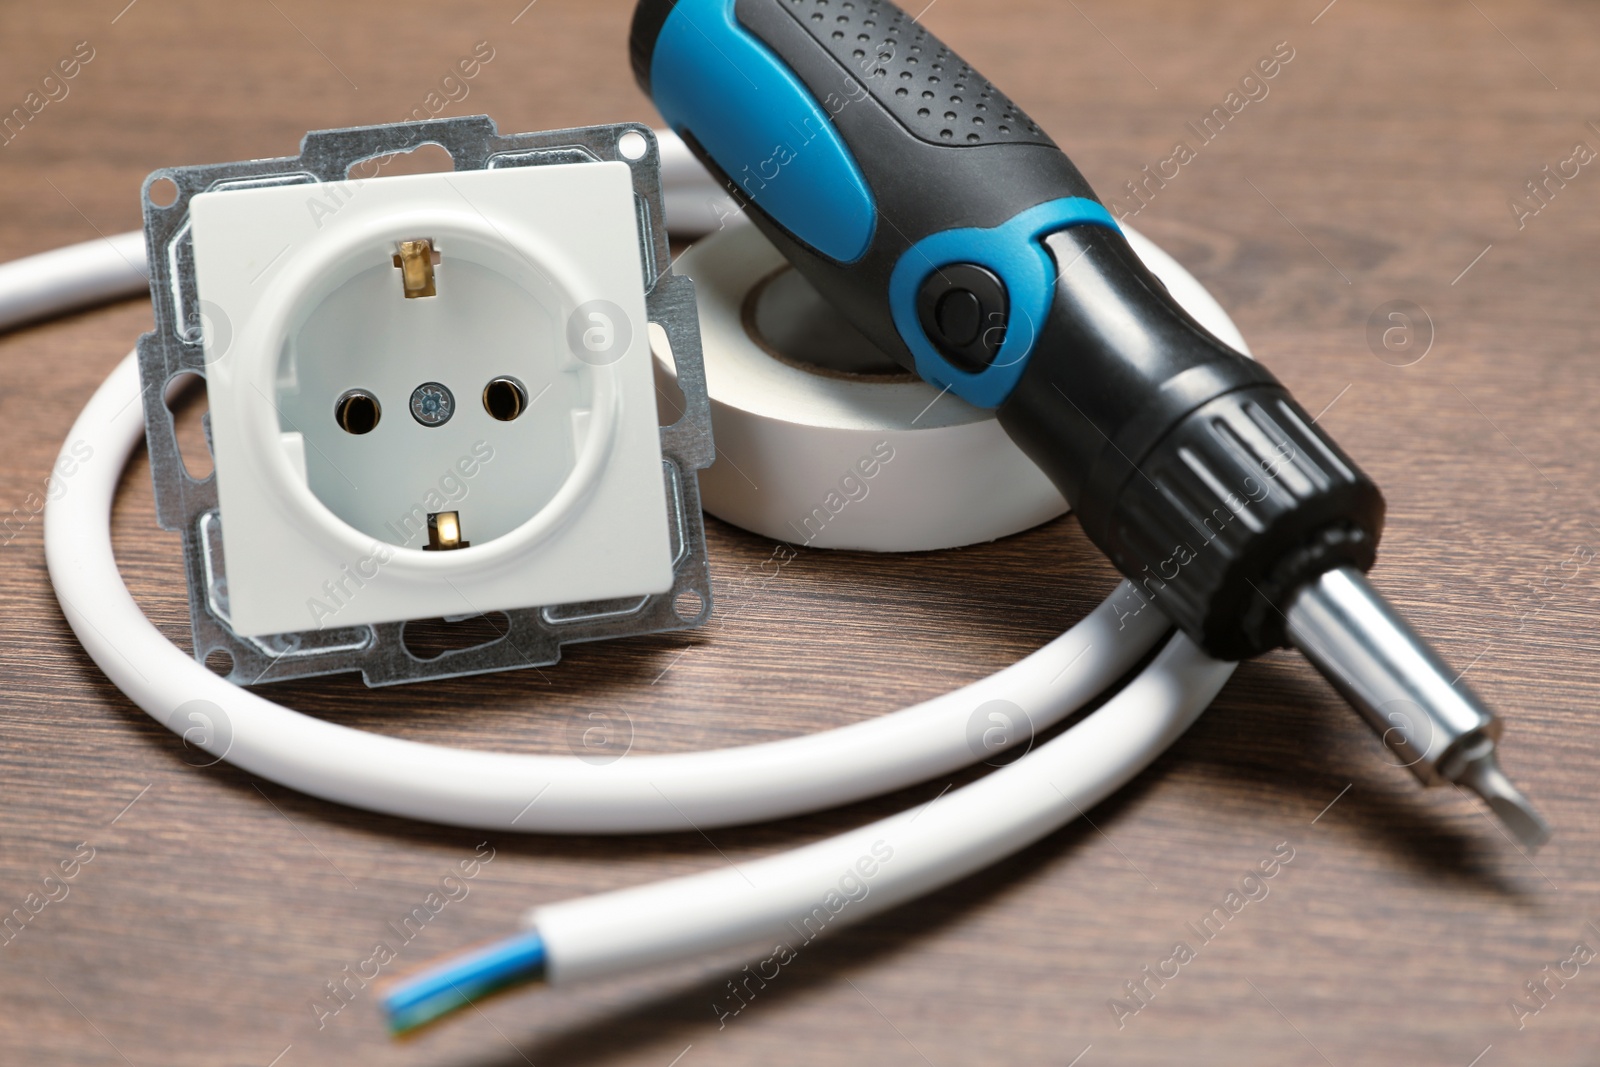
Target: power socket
432,395
512,390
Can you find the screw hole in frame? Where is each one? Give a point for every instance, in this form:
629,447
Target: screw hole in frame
632,145
163,192
688,605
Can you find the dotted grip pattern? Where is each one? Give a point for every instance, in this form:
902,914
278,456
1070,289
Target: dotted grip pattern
931,91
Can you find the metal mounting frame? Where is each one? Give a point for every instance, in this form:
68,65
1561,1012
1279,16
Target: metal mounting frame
535,635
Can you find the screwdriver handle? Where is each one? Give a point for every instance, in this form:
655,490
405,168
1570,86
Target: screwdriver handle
936,216
874,157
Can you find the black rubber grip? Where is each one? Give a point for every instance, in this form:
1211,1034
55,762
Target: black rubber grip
648,18
1187,463
932,91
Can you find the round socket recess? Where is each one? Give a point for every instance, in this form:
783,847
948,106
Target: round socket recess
386,285
421,355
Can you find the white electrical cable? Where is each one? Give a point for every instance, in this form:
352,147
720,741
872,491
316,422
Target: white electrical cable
77,276
856,874
960,833
549,794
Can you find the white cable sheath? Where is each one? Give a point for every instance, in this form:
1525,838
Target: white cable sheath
535,793
77,276
795,895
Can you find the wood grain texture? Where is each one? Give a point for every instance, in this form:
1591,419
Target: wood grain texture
1377,167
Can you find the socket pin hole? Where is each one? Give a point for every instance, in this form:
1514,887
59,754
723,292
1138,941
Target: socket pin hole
505,399
357,412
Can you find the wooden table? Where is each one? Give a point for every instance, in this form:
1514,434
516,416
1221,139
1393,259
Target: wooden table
1378,167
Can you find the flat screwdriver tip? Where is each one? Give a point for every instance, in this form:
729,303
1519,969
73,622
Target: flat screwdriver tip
1406,693
1484,777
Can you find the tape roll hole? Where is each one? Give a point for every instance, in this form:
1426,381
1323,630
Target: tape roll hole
786,316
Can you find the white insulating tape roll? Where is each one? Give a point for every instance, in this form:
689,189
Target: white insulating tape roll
877,462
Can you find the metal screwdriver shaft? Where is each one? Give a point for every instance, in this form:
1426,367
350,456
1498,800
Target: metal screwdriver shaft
1427,716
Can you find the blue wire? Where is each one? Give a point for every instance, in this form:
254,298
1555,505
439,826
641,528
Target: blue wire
459,980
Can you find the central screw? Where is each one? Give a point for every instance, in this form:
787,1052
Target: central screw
432,404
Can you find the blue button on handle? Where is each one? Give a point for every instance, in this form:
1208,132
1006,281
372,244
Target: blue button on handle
1014,251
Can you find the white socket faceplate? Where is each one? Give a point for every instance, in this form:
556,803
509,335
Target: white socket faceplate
538,279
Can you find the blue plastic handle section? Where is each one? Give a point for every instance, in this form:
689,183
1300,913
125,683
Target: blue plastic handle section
1014,252
767,131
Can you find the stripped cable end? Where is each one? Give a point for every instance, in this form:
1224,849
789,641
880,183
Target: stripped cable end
424,996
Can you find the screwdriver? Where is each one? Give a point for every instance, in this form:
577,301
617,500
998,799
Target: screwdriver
954,233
